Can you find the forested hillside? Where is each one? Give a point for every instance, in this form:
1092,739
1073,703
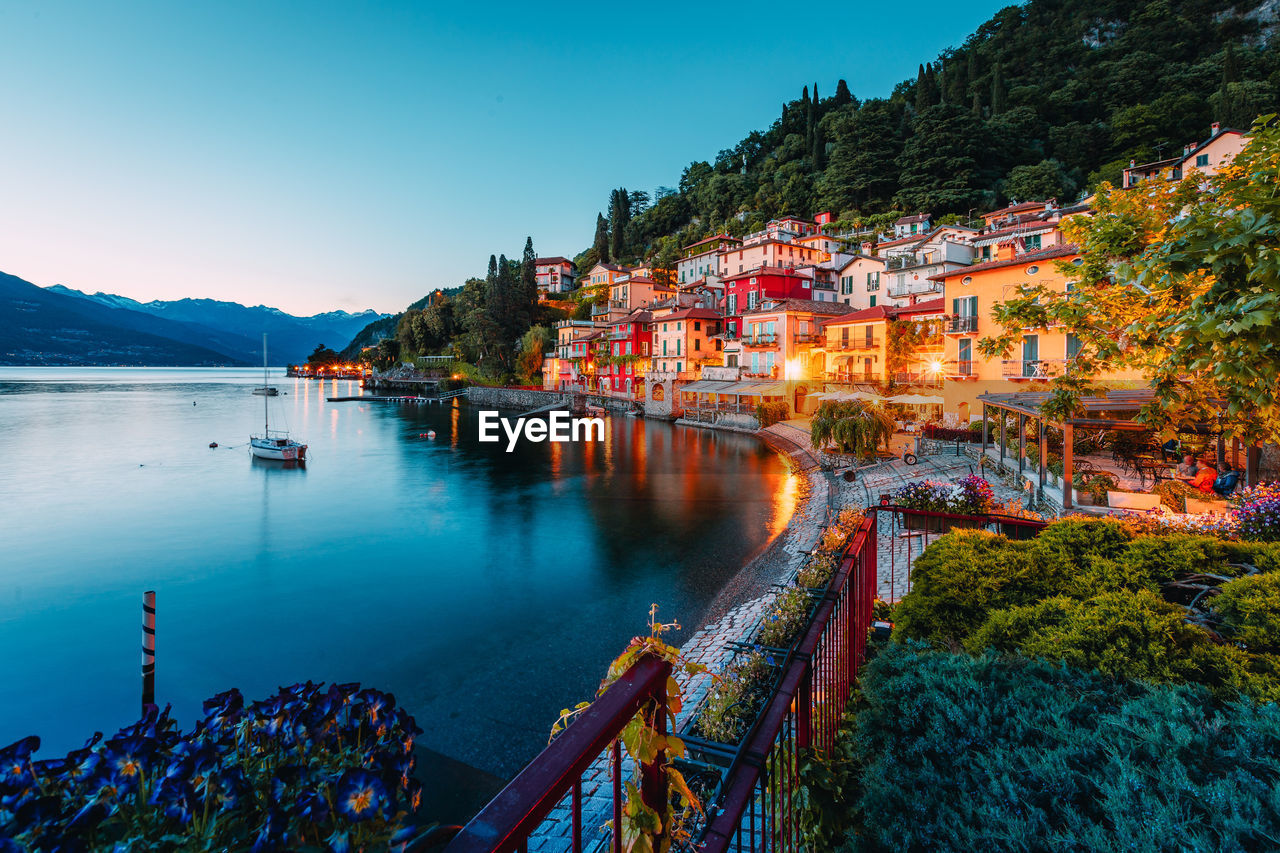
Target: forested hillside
1046,99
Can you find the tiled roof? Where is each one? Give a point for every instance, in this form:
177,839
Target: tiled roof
1064,251
713,239
915,217
809,305
556,260
690,314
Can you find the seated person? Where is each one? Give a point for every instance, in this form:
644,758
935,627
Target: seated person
1170,448
1187,468
1226,482
1205,476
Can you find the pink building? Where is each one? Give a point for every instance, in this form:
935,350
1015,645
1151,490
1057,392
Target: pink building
1206,158
555,275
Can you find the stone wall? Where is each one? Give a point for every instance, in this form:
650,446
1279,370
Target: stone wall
525,400
515,398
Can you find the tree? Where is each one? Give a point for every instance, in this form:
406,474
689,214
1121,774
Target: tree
940,162
1047,179
602,239
999,94
619,217
862,172
1180,285
323,355
533,344
843,95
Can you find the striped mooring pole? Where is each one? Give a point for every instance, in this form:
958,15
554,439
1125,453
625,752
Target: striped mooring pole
148,650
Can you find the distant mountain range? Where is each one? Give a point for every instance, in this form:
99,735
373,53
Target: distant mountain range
61,326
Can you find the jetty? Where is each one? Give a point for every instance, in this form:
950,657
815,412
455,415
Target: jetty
403,398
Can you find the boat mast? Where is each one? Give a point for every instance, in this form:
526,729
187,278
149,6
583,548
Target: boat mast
265,423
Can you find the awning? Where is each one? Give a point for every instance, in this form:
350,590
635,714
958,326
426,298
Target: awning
706,386
755,389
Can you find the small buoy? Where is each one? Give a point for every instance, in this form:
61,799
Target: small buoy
431,434
213,444
193,402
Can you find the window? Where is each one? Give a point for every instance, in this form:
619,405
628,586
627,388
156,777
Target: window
873,301
768,362
966,357
677,346
1033,269
965,306
697,343
1073,346
967,280
664,327
697,326
752,299
1031,356
733,303
1033,242
664,346
755,362
678,367
1202,160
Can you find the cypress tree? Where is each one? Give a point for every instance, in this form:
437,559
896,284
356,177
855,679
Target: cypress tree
808,119
602,238
973,78
997,91
619,216
529,275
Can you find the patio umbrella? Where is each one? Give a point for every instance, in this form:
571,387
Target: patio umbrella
866,395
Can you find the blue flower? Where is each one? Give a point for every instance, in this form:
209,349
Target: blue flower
361,795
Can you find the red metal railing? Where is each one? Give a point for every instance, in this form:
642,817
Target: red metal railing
756,809
511,818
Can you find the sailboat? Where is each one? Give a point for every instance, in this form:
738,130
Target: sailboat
273,443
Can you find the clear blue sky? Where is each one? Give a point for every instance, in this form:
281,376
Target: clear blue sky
315,156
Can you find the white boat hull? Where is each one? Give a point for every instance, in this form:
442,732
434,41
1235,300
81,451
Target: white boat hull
280,449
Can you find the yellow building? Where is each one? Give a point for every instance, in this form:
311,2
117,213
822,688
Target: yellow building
971,295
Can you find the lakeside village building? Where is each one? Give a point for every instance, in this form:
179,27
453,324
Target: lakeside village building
797,310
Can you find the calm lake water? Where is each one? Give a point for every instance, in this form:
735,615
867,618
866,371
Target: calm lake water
486,590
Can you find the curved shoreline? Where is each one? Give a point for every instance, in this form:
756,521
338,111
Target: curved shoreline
778,558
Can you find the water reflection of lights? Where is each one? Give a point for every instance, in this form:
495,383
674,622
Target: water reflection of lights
785,501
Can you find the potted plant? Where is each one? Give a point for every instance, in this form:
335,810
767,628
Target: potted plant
1054,467
927,496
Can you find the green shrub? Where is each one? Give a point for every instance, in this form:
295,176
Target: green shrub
1250,611
954,753
770,413
1072,543
963,576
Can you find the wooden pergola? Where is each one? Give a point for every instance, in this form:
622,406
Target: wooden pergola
1114,410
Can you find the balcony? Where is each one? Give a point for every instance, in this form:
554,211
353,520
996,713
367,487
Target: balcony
808,337
915,288
619,335
854,344
760,340
962,370
599,310
960,325
1032,368
618,304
